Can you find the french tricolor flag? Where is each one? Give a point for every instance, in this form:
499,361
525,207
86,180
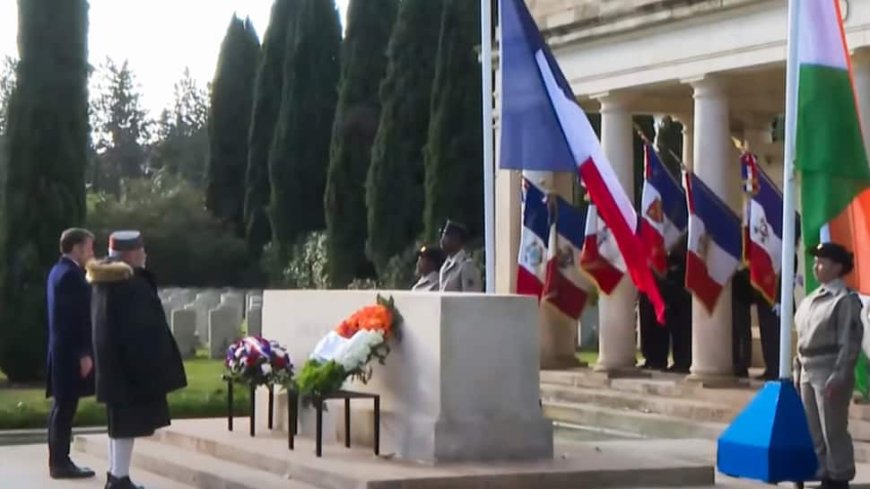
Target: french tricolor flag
763,218
715,243
534,240
601,258
566,287
663,207
544,129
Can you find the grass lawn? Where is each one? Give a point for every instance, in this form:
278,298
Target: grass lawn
205,396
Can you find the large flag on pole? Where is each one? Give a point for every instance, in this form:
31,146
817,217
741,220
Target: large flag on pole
829,149
763,220
830,153
544,129
663,206
714,242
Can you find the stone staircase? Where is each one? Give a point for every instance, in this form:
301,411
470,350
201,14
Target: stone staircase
659,406
203,454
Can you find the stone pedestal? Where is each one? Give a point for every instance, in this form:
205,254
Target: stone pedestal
461,385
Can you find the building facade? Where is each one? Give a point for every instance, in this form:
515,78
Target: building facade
717,66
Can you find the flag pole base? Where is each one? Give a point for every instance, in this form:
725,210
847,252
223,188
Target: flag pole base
769,440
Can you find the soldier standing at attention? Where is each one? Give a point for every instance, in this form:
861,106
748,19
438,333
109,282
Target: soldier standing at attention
429,261
829,333
459,273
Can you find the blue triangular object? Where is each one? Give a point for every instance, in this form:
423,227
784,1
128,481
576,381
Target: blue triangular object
770,440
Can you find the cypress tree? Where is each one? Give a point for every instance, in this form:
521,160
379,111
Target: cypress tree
363,64
267,103
454,150
229,122
300,151
394,184
45,184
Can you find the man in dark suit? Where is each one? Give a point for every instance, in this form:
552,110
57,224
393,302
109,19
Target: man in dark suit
70,360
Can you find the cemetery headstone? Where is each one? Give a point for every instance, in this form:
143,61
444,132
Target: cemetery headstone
255,321
184,331
223,330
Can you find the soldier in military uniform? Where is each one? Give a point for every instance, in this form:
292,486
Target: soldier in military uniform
429,261
458,273
829,334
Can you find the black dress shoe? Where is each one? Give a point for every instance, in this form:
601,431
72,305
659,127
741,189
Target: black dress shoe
113,482
70,471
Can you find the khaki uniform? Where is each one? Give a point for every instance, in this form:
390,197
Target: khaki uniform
460,274
428,283
829,333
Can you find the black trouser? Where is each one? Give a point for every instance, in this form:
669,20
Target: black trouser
741,334
680,327
60,421
768,328
654,338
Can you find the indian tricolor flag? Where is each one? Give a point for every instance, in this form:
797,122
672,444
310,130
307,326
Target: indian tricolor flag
829,149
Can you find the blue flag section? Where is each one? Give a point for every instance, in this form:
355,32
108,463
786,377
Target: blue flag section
770,440
531,136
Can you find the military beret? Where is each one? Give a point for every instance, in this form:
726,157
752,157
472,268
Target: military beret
836,253
453,228
125,241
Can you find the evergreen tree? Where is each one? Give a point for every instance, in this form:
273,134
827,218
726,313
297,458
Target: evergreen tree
300,153
394,184
229,122
182,136
363,64
267,103
45,187
121,129
454,149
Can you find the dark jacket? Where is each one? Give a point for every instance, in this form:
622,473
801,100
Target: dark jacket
69,331
137,359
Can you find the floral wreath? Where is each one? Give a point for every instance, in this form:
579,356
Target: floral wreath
347,351
257,361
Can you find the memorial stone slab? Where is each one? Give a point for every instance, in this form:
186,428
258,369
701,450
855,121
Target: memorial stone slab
255,321
223,330
184,331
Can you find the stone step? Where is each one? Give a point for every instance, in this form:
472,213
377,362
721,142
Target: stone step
192,468
689,409
645,424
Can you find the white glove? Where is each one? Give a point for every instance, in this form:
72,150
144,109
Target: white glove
777,308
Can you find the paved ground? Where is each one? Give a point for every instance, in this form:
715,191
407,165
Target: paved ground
24,466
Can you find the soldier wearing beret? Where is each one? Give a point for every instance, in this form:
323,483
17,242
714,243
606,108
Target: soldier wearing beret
459,272
829,333
429,261
137,360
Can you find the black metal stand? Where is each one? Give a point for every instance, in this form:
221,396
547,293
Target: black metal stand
253,406
319,402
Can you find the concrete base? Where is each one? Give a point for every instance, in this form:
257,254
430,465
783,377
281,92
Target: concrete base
462,382
203,453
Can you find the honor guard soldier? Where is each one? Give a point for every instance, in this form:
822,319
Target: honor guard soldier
429,261
459,273
829,333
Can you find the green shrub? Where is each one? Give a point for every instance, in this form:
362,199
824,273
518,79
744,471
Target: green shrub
186,246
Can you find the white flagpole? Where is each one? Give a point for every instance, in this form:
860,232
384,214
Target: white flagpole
488,141
786,315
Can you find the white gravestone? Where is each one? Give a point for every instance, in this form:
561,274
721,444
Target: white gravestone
184,331
205,302
223,330
235,301
255,321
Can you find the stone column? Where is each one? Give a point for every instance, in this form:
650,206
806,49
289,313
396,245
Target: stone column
688,141
617,312
712,155
861,73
